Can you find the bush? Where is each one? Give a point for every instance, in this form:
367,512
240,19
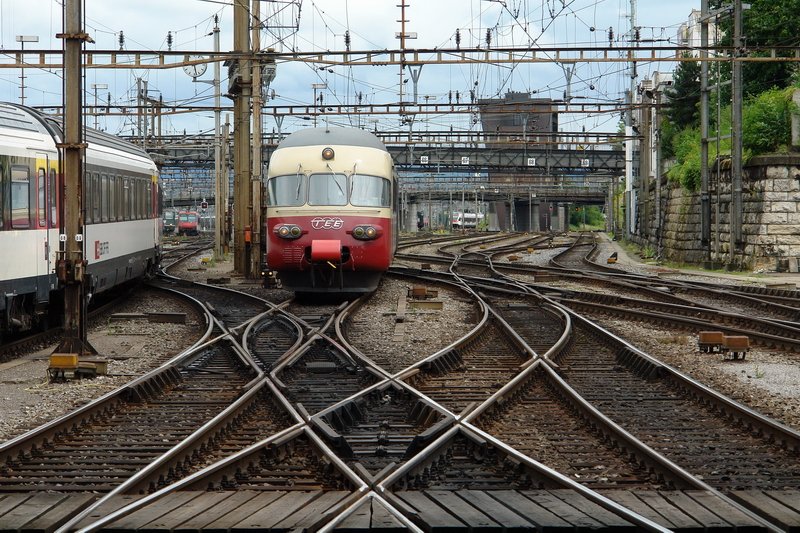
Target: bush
686,146
766,121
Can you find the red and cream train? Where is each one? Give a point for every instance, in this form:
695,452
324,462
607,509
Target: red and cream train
331,223
121,214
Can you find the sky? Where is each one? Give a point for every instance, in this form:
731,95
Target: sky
322,25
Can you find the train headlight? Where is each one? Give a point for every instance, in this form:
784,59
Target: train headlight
288,231
365,233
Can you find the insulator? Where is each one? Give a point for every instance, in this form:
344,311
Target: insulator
347,40
488,37
121,39
458,38
169,40
610,35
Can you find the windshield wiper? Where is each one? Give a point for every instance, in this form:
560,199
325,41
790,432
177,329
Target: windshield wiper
299,181
333,175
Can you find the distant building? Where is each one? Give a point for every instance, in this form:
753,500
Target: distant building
515,119
689,33
517,114
511,122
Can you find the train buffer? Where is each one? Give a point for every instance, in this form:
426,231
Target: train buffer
735,345
710,341
612,258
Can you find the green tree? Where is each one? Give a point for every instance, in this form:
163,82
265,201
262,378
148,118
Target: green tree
766,24
683,98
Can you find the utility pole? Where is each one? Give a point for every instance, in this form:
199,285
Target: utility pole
220,199
705,200
630,204
71,266
736,135
255,179
402,37
241,89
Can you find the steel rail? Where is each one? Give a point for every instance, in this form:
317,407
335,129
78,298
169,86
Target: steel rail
384,487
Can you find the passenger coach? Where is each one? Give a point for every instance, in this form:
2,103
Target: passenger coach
121,215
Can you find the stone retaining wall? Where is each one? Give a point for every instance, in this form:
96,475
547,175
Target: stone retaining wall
771,221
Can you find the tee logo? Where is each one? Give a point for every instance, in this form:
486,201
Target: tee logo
327,223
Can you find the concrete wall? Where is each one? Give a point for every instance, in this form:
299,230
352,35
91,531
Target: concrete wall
771,221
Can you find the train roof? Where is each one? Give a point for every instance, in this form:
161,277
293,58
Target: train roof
17,117
23,118
332,136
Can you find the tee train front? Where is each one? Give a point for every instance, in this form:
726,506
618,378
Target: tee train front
331,221
120,208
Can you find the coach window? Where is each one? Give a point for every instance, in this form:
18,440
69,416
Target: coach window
112,199
287,190
41,201
370,191
52,196
126,199
149,200
20,197
327,189
95,198
118,197
139,199
104,196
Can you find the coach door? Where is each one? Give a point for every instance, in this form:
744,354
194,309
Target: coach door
43,223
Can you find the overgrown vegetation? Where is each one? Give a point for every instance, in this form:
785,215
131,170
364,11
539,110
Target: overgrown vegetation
767,109
586,217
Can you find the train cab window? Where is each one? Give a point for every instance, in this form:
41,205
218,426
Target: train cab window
20,197
41,200
327,189
370,191
52,195
287,190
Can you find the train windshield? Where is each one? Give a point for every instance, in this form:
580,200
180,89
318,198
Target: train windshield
327,189
370,191
287,190
188,217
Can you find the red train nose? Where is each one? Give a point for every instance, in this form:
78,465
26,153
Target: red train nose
326,250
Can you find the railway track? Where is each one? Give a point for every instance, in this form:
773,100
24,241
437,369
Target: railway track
108,442
470,437
675,419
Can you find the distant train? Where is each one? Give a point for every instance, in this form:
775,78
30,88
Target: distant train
331,223
121,215
169,222
466,220
187,223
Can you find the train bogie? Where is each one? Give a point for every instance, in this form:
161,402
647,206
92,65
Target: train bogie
331,221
